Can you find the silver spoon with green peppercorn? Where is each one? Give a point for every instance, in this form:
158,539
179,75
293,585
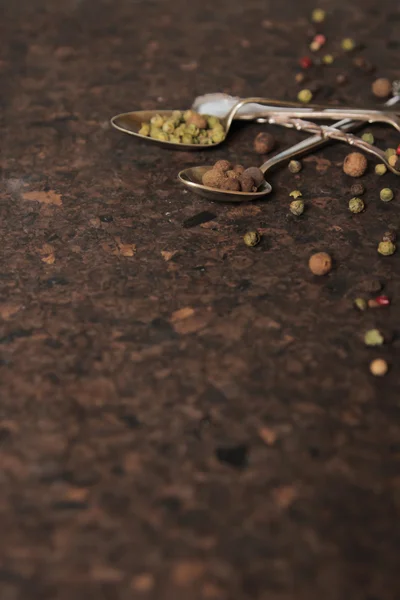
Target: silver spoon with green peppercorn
190,130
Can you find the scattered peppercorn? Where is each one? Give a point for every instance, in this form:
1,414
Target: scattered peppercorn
314,46
356,205
355,164
320,39
390,152
305,62
360,303
295,166
304,96
373,337
320,263
379,367
295,194
300,77
386,195
318,15
368,137
382,87
328,59
252,238
382,300
348,44
341,79
264,143
386,248
394,161
357,189
380,169
389,236
297,207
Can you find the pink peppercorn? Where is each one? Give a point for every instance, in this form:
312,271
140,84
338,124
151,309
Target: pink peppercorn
382,300
398,150
320,39
305,62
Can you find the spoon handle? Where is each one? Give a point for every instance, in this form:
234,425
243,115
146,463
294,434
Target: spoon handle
334,133
316,141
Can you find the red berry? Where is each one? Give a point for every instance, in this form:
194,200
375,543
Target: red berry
320,39
382,300
398,150
305,62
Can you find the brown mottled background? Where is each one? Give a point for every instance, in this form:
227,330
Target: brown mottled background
182,417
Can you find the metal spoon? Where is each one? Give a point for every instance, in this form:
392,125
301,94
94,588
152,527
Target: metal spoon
131,122
192,177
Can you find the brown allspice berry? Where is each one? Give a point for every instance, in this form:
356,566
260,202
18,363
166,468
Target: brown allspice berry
230,184
247,183
357,189
320,263
238,169
355,164
213,178
264,143
382,87
223,165
233,174
256,174
198,120
389,236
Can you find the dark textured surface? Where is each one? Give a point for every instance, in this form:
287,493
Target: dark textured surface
183,417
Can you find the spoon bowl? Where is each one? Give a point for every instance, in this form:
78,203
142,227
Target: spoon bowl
192,179
131,123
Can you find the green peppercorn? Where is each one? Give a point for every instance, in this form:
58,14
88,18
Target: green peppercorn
305,96
380,169
356,205
386,195
318,15
328,59
252,238
175,139
213,121
373,337
360,303
368,137
218,136
168,127
295,166
386,248
297,207
157,121
390,152
145,129
348,44
187,138
295,194
162,136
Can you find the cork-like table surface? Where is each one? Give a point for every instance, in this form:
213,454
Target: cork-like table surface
183,417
